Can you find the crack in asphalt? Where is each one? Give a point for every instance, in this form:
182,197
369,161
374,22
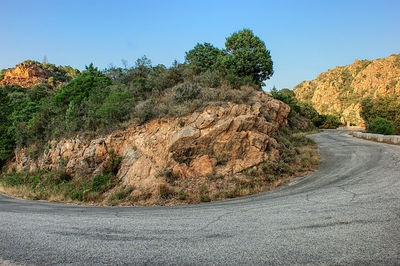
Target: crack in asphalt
213,221
348,191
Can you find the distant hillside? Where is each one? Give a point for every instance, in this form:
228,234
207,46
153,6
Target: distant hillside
340,91
30,73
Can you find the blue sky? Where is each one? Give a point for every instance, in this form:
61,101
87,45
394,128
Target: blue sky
305,37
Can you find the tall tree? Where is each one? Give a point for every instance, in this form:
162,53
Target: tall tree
203,56
247,56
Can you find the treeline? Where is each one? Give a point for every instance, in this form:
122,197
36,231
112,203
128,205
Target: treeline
97,102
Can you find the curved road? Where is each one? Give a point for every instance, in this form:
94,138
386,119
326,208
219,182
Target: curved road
347,212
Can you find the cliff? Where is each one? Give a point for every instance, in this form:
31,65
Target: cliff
217,141
30,73
340,91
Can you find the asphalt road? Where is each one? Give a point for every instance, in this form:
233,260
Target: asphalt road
347,212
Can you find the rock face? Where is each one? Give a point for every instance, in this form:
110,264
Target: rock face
340,91
26,74
30,73
217,140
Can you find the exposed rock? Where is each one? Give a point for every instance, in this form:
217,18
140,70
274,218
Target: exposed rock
25,75
218,140
340,91
31,73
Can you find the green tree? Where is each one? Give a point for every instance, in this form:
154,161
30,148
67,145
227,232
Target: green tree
386,107
381,126
203,57
246,56
7,141
330,121
116,106
79,89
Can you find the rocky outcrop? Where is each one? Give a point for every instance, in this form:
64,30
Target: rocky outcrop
219,140
340,91
30,73
26,74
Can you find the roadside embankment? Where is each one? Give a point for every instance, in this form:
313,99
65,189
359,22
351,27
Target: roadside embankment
392,139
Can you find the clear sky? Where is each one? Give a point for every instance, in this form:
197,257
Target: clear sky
305,37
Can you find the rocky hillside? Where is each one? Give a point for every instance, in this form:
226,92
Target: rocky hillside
340,91
218,141
30,73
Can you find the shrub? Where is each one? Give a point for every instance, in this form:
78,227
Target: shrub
386,107
144,111
230,194
330,122
165,191
170,177
119,195
181,195
186,92
381,126
204,198
100,182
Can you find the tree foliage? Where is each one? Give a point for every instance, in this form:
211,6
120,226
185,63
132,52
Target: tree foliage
386,107
203,57
95,102
246,56
381,125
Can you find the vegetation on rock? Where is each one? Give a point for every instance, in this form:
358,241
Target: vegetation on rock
61,131
299,109
30,73
340,91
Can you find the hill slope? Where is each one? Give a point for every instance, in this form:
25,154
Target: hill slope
30,73
340,91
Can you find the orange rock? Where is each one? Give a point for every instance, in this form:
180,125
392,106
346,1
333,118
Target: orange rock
218,140
342,89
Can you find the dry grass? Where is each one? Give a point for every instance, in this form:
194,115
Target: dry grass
299,157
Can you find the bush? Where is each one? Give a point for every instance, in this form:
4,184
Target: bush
144,111
186,92
101,182
386,107
204,198
330,122
381,126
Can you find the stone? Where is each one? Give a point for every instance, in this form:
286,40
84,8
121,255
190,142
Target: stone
342,89
217,140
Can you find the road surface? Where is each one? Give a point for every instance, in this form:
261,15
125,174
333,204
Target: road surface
347,212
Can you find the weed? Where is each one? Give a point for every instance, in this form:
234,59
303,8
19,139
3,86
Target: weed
165,191
285,131
283,167
113,163
229,194
252,171
305,162
204,198
101,182
91,196
119,195
170,177
203,188
182,195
